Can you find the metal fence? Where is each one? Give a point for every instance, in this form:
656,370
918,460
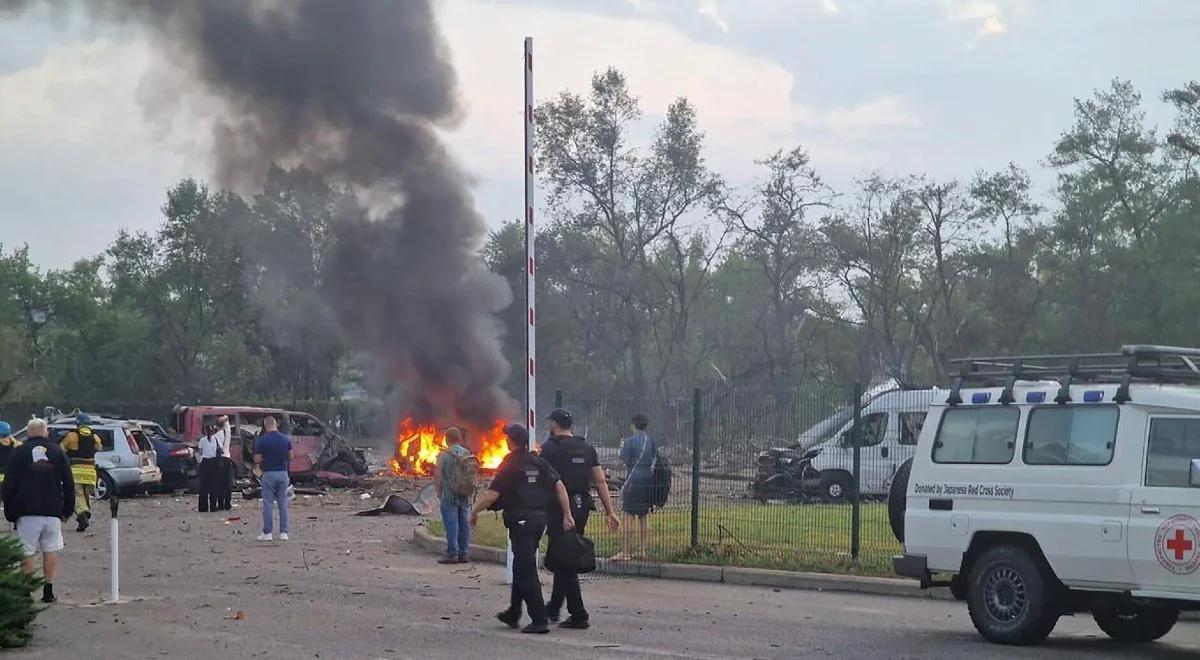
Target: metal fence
791,480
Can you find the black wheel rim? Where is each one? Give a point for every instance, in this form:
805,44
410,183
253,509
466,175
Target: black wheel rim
1005,594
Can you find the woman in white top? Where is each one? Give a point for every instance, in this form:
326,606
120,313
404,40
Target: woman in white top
211,467
223,484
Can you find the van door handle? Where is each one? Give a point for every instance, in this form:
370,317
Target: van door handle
1149,509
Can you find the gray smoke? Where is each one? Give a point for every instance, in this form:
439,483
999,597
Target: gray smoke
352,92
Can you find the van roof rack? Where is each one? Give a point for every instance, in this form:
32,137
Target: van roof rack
1135,362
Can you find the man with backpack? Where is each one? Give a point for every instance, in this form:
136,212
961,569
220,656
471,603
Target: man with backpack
455,476
579,467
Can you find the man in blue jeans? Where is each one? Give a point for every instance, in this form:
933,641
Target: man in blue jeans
273,453
455,506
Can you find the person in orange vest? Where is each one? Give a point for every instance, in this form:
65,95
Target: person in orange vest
81,446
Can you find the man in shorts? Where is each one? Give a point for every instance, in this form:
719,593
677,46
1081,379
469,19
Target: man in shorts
39,494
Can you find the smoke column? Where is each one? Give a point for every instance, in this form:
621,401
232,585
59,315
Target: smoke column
352,91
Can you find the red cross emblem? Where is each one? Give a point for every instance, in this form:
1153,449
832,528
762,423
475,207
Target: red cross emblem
1176,544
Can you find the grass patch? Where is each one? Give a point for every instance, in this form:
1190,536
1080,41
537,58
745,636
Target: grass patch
800,537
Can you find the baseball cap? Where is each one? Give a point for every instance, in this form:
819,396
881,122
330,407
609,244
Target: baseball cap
562,417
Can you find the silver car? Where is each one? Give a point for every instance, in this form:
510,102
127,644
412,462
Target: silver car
126,459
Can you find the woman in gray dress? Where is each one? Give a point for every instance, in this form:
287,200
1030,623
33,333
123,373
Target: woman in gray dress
637,453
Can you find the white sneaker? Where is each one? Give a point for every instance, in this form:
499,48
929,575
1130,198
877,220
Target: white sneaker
265,537
283,537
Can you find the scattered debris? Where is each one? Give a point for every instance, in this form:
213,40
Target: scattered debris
239,616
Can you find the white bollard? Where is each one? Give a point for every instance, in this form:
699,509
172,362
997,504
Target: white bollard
114,531
508,576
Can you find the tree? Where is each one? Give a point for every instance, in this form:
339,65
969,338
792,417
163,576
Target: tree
778,245
634,209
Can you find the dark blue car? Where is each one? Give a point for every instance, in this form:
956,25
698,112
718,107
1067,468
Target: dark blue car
176,460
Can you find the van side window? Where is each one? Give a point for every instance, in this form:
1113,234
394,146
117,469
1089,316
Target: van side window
977,435
910,427
1173,445
1071,435
873,427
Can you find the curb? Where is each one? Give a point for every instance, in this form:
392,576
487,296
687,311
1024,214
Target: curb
755,577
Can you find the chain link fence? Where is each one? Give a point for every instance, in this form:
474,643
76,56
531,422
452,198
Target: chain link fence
794,480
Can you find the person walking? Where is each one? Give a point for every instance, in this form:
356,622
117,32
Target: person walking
273,454
209,448
579,466
39,494
455,476
637,453
523,488
81,446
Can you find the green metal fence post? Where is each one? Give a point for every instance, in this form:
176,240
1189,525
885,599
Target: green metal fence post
558,398
855,492
696,468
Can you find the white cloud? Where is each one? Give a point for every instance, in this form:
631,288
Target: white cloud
884,112
986,13
830,7
709,10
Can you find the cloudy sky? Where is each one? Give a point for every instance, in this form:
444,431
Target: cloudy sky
945,87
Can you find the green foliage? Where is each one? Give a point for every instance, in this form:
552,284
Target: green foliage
17,610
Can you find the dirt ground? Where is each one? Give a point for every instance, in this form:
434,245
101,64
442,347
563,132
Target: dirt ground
200,586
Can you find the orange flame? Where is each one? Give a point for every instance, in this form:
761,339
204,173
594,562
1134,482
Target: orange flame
418,447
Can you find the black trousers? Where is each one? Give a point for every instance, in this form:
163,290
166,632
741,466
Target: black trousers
566,583
526,587
225,484
210,481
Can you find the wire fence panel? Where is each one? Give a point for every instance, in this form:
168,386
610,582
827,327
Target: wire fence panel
760,478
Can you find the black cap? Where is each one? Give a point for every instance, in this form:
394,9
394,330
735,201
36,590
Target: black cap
561,417
518,434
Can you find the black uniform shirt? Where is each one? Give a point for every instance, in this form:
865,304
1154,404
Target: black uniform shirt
573,458
525,482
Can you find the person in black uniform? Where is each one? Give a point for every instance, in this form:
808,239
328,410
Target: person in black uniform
524,487
579,466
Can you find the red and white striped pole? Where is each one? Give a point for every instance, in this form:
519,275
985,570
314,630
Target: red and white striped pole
531,325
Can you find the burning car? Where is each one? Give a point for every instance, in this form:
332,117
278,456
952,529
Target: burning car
418,446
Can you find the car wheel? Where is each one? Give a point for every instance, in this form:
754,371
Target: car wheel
1130,622
341,467
105,487
1011,597
835,486
898,499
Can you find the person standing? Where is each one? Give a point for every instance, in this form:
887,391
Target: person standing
81,446
39,494
273,453
579,466
455,476
637,453
209,448
225,478
524,487
7,445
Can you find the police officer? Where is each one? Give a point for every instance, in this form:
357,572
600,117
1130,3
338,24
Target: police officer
579,466
524,487
81,446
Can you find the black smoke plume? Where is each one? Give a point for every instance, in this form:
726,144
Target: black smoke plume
351,91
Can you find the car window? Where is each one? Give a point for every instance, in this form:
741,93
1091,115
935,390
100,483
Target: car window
305,425
143,442
1071,435
1174,442
977,435
873,427
910,427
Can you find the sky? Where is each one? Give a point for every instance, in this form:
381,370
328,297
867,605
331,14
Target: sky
941,87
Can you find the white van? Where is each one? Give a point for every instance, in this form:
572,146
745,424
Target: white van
891,425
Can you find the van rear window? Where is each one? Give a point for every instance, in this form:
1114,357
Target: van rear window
977,435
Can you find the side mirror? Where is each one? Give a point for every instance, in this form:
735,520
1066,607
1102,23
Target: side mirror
1194,476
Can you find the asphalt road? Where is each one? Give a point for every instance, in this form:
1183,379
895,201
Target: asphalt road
352,587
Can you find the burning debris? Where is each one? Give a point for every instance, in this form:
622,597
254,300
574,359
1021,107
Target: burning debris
418,446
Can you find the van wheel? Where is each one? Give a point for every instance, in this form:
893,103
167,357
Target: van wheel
898,499
105,487
1130,622
835,486
1011,597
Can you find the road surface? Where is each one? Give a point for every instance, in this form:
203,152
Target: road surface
353,587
